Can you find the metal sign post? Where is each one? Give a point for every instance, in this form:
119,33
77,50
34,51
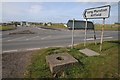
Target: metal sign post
97,13
73,34
102,34
85,34
94,37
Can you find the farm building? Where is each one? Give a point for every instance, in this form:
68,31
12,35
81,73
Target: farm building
24,23
79,24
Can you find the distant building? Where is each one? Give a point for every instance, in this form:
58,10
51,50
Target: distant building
79,24
49,24
6,23
24,23
0,24
65,25
44,24
15,23
117,23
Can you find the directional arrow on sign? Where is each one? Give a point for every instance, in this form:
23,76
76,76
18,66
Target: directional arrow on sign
84,14
97,13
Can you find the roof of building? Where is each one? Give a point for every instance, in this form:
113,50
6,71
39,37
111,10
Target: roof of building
77,21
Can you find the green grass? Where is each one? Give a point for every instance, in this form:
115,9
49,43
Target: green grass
55,26
60,26
103,66
108,27
5,28
98,27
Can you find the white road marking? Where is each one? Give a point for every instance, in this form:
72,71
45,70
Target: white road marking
10,51
90,39
50,47
38,28
16,39
33,49
73,45
45,37
41,28
32,38
6,38
29,49
99,38
107,37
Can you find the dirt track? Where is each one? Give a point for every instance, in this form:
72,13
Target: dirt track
14,64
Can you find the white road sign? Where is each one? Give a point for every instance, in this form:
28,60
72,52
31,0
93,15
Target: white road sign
98,12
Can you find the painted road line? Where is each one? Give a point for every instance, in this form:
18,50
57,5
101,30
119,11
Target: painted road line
99,38
45,37
71,45
106,37
33,49
32,38
38,28
16,39
29,49
90,39
41,28
6,38
20,50
10,51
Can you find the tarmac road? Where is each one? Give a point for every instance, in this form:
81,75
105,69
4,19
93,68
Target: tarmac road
47,38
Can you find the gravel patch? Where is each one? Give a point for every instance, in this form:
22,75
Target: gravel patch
22,32
14,64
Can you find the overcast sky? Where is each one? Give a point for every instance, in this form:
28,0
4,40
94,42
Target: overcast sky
59,12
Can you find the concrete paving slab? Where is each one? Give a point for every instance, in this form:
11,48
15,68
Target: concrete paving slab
89,52
57,62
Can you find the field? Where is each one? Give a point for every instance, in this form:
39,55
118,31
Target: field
103,66
55,26
98,27
5,28
108,27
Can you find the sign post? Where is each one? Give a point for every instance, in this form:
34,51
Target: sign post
102,34
73,34
94,37
85,34
97,13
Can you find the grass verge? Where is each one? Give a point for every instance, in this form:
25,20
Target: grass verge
54,26
103,66
98,27
5,28
108,27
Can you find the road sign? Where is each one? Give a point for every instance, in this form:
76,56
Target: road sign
98,12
